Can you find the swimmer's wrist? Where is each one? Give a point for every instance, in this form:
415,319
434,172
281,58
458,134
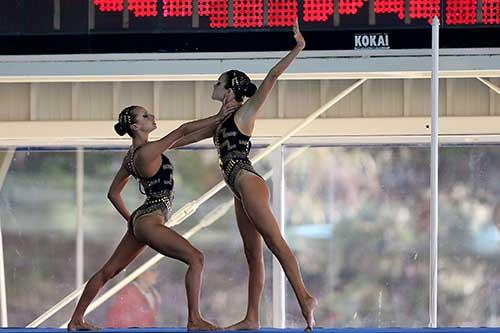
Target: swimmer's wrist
219,117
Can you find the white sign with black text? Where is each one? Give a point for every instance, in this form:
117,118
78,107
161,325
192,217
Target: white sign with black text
371,41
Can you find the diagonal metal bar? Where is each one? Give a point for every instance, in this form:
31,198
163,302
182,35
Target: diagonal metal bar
490,84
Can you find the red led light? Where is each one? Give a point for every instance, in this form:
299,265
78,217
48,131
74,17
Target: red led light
317,10
390,7
247,13
491,11
143,8
419,9
350,6
321,10
216,10
282,13
424,9
109,5
461,11
177,8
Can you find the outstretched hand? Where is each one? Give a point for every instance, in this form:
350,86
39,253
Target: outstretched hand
301,42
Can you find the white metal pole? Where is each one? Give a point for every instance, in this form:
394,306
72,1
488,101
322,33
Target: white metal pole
79,216
278,207
3,290
9,155
434,175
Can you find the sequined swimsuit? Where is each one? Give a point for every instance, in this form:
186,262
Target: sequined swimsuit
233,148
159,189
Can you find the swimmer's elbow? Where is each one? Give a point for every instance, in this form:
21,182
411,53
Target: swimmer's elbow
183,130
273,75
112,196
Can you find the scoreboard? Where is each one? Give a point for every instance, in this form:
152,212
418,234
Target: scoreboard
86,26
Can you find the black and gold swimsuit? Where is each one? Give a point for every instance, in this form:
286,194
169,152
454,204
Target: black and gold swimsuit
159,189
233,148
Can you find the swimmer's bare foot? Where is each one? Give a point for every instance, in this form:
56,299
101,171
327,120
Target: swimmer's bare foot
80,325
201,325
244,325
308,312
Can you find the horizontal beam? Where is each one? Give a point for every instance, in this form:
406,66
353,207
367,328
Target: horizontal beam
389,64
65,133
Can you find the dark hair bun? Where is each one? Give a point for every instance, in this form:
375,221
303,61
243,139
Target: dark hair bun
250,90
119,129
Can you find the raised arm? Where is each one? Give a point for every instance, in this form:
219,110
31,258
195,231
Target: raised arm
250,110
188,132
208,131
115,189
202,134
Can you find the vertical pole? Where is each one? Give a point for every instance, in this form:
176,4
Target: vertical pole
79,216
195,19
125,15
9,155
434,175
57,15
91,18
278,179
230,13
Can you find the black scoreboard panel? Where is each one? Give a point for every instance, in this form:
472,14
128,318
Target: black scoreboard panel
93,26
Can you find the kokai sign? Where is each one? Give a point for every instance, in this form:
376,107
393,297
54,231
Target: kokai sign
371,41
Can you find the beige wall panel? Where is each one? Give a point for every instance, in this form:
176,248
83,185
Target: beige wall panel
494,98
135,93
383,98
207,107
442,98
177,100
420,98
443,101
270,107
204,104
180,101
14,101
53,101
348,107
469,97
95,101
301,98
